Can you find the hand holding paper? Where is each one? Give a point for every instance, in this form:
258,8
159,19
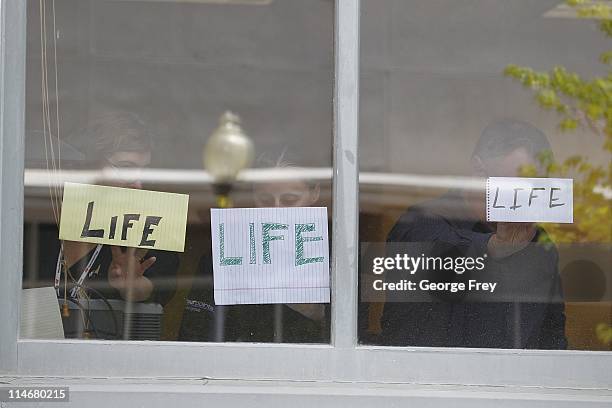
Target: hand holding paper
510,238
126,274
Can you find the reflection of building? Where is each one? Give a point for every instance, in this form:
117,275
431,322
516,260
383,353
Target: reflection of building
378,190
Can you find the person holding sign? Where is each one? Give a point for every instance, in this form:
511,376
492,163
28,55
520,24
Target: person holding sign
119,141
203,320
526,309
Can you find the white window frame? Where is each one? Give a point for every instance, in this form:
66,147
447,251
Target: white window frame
342,360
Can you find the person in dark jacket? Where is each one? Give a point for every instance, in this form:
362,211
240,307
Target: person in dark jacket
204,321
527,309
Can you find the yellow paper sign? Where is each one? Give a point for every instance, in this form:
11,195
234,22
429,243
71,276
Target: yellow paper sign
124,216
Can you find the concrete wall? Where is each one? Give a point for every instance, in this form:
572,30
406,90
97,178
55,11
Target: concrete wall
431,74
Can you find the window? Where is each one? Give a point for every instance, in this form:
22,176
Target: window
131,94
355,200
442,108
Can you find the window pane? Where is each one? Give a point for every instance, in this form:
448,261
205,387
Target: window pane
443,112
130,94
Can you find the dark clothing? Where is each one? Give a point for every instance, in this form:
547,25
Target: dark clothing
242,323
526,311
162,274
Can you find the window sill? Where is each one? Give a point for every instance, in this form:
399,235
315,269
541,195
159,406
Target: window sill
188,392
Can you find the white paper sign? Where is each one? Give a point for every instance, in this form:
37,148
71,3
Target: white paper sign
518,199
270,255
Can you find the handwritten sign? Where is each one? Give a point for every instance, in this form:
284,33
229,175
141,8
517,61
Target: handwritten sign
517,199
270,255
123,216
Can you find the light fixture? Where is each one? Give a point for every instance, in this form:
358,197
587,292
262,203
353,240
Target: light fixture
227,152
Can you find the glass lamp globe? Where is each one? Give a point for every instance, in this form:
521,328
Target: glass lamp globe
229,150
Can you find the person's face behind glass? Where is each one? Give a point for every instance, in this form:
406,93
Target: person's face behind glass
120,163
509,165
286,194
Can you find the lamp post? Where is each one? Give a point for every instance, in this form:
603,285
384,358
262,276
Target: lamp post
228,151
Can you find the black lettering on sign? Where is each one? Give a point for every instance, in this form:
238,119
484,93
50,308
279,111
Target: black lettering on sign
532,196
113,227
127,223
149,222
87,232
495,201
515,206
550,203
